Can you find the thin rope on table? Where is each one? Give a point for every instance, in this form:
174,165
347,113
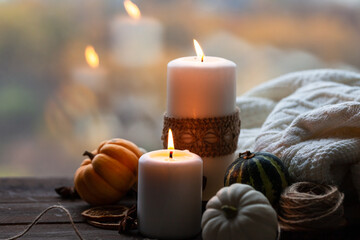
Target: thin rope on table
38,218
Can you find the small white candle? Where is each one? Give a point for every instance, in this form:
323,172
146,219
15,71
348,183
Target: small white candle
201,87
91,76
169,194
136,40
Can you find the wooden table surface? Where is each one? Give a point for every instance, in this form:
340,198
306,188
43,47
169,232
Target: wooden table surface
22,199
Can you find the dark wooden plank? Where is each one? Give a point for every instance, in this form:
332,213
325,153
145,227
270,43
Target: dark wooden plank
23,213
23,199
31,189
62,232
346,233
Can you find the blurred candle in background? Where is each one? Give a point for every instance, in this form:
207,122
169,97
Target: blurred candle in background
136,40
92,76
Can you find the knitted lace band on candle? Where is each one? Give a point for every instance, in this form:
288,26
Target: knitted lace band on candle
207,137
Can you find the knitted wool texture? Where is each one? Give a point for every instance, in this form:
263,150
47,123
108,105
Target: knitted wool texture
310,120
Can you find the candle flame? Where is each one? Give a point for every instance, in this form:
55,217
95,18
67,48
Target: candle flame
170,144
170,140
91,56
199,51
132,9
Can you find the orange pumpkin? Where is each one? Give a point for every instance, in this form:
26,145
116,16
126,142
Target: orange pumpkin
109,172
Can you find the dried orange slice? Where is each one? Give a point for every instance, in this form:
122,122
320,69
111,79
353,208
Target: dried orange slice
105,214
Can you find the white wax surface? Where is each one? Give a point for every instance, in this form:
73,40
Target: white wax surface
198,89
214,170
169,194
136,42
93,78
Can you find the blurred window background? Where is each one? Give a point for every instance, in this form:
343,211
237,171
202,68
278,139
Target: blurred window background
55,102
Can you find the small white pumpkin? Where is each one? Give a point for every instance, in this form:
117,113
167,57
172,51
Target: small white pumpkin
239,212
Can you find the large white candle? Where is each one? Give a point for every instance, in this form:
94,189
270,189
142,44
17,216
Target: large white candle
203,89
169,194
136,40
198,89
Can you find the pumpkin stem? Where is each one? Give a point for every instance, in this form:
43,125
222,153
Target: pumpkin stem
230,211
246,155
89,154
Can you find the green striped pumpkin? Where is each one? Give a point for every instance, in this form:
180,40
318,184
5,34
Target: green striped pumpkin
263,171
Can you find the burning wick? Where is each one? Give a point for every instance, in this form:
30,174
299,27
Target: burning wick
170,144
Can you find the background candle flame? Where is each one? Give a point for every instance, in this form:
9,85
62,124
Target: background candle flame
132,9
91,56
198,50
170,140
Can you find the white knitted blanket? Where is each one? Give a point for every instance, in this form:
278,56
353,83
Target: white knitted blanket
310,120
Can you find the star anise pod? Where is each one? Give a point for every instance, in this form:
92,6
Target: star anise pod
129,222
